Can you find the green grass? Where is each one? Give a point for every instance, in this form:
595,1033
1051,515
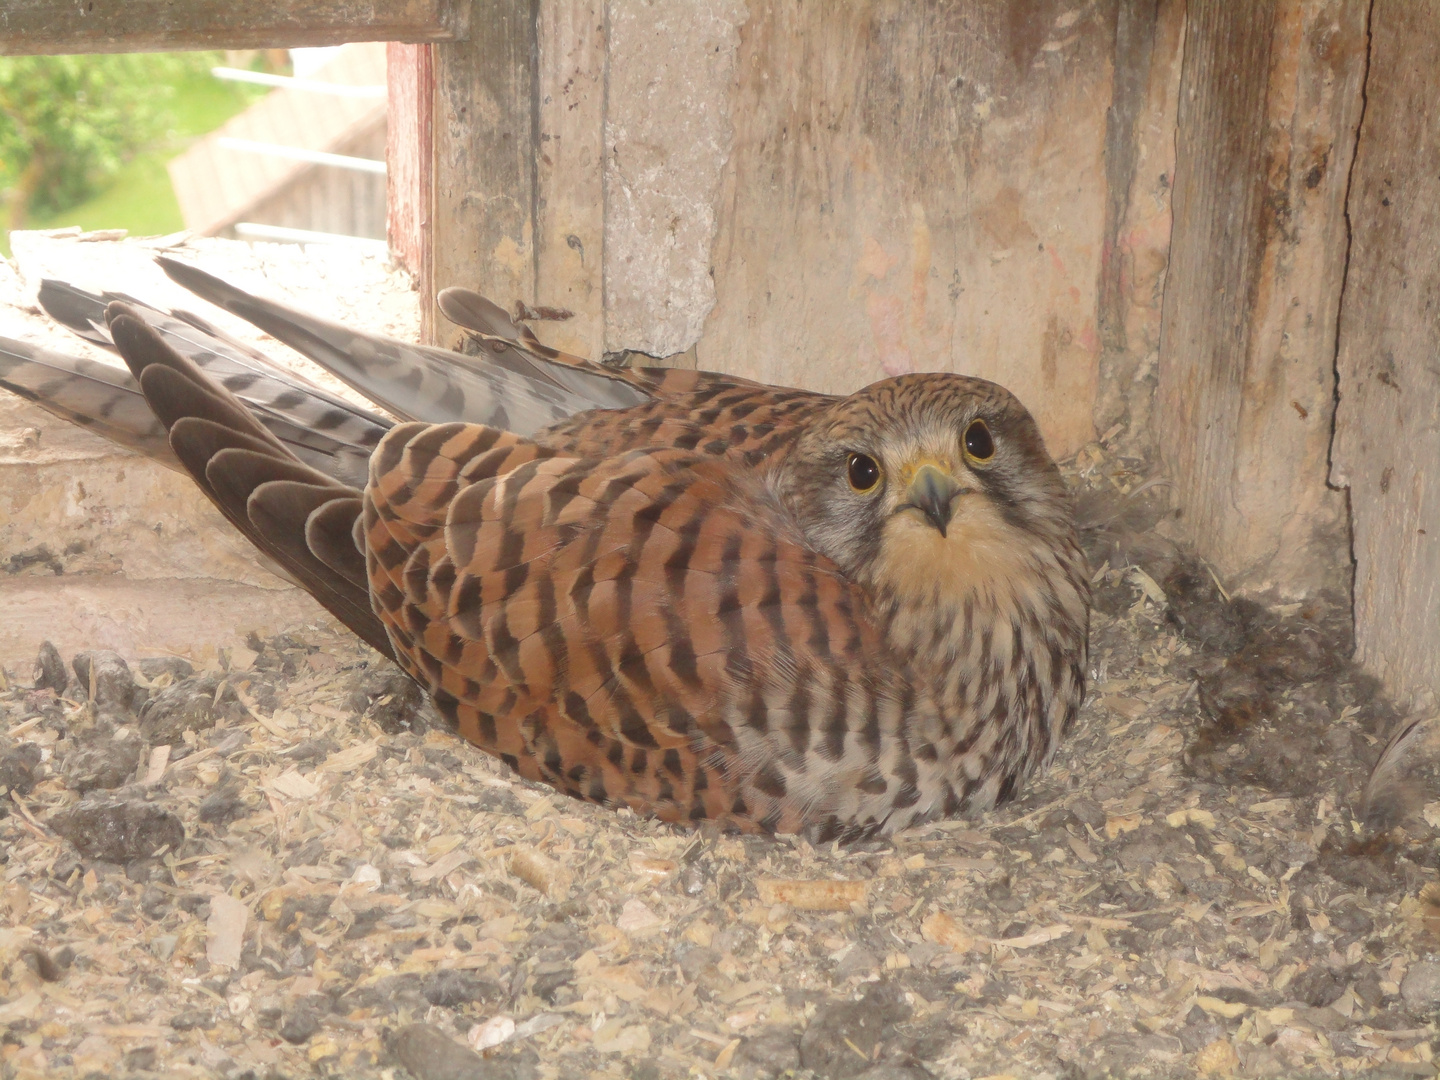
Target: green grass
139,196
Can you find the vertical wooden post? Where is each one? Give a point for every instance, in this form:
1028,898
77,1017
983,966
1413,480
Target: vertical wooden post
479,194
570,208
1270,100
408,126
1387,431
505,194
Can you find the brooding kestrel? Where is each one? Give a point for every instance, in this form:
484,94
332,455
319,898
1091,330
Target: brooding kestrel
697,596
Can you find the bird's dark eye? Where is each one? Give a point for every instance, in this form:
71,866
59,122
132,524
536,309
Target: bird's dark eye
979,445
864,472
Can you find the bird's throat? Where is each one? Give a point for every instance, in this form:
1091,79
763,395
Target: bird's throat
975,599
979,559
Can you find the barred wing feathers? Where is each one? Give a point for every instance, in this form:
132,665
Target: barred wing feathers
642,630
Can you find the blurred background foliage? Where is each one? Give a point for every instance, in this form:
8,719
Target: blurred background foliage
84,139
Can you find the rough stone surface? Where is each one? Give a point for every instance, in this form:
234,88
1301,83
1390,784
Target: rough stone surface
667,137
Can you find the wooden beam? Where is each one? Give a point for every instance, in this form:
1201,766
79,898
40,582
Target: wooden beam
65,26
1387,438
570,202
483,198
408,134
1269,105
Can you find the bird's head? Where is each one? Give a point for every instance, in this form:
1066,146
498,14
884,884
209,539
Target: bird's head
928,488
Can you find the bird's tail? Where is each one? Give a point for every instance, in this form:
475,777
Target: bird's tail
325,431
298,515
92,395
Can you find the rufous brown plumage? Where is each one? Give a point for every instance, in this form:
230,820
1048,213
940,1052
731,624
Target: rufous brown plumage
693,595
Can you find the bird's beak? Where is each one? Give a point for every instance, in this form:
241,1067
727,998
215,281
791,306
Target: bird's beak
933,492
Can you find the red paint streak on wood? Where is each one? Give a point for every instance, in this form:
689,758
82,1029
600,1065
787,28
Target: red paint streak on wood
408,154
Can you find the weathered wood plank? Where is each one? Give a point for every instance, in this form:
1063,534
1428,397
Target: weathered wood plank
485,139
408,136
1270,100
570,205
64,26
1139,170
918,187
1387,431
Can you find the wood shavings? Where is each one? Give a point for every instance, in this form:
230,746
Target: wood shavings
1035,937
647,866
1153,592
493,1032
442,867
350,759
943,929
159,759
1120,824
727,1054
614,1038
292,785
225,930
1216,1007
637,918
1192,816
812,895
1217,1059
540,872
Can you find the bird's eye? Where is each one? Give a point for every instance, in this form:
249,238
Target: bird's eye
979,445
864,472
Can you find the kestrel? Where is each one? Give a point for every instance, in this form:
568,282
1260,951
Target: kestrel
682,592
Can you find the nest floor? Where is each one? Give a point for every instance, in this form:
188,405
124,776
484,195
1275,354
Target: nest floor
269,863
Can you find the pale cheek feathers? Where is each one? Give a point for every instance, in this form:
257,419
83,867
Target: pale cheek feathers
981,555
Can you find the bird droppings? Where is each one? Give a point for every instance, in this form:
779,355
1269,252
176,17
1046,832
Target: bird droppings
102,763
117,829
428,1053
50,673
843,1037
104,678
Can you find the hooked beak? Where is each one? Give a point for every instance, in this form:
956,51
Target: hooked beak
933,492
